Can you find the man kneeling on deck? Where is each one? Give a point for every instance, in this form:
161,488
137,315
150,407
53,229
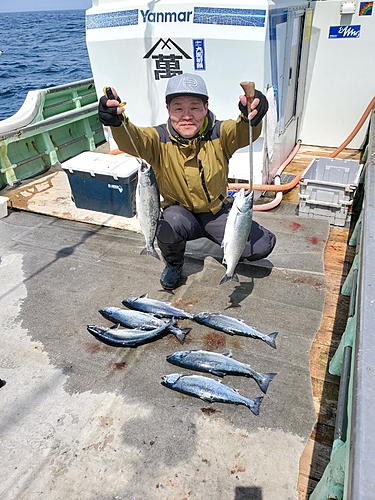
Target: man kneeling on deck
190,156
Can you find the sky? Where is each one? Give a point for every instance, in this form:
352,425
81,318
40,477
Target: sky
24,5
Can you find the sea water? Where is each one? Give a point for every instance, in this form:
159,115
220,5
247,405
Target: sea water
40,50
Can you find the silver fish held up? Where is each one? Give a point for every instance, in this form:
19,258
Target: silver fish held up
144,321
147,199
237,231
209,390
156,307
130,337
233,326
220,365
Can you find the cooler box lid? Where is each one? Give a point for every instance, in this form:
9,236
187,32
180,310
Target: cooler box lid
117,166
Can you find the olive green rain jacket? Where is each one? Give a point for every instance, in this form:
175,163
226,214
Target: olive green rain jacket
192,173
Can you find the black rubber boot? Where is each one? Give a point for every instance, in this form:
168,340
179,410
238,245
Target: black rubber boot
173,255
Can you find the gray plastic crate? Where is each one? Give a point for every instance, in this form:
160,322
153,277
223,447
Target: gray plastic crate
327,189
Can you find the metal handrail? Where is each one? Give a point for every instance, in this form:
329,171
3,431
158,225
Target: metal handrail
349,474
53,120
68,86
360,479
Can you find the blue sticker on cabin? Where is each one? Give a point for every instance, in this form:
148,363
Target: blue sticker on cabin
345,31
199,55
112,19
229,17
201,15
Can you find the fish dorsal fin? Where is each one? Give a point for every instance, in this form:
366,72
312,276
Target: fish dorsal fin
145,295
115,327
228,354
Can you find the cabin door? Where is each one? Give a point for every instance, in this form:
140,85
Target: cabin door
292,65
286,37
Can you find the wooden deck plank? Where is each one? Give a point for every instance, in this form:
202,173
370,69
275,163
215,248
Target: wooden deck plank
337,261
338,258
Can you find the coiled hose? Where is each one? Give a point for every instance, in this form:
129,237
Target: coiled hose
282,188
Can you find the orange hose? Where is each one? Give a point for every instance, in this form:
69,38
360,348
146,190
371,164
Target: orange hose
355,130
276,177
290,185
271,204
258,187
273,187
268,187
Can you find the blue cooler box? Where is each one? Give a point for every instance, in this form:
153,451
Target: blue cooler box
103,182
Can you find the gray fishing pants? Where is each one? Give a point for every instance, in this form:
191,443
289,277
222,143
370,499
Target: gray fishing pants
177,224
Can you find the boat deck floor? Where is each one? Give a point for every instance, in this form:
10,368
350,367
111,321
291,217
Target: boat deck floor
82,418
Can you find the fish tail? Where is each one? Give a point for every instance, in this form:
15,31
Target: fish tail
226,277
170,323
150,251
254,404
272,337
181,334
264,381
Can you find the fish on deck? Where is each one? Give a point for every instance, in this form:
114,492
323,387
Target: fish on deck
233,326
141,320
209,390
156,307
220,365
130,337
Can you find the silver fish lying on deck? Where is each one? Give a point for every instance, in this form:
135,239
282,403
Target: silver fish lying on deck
220,365
141,320
233,326
156,307
120,337
237,231
209,390
148,206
